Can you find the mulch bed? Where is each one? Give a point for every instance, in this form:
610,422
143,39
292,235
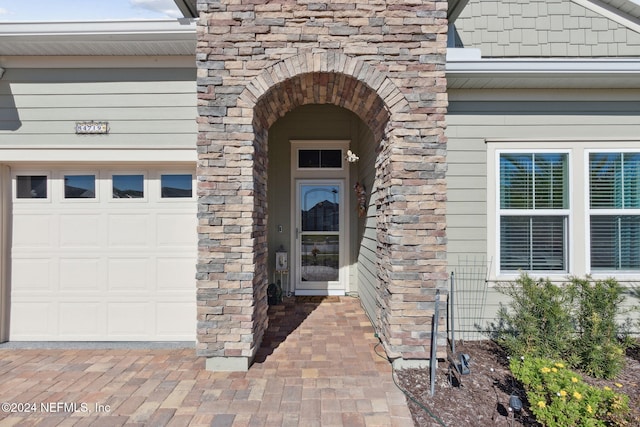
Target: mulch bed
481,398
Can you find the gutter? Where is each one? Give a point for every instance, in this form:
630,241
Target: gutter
465,68
469,61
84,38
34,31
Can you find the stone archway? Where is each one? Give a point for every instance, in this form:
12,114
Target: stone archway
324,78
238,212
387,67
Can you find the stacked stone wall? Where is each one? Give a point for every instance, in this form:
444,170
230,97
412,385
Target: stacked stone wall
383,60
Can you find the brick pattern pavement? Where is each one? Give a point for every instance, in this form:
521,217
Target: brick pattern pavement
317,367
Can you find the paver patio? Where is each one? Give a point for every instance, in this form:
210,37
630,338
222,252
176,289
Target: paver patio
317,367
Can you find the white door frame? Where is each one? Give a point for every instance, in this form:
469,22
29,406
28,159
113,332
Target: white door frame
320,287
337,175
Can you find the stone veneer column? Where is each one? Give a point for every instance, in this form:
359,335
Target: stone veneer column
384,60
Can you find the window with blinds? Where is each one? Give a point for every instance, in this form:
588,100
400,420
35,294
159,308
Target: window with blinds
614,210
533,211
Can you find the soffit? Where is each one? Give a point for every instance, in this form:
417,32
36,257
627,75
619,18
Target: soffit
101,38
630,7
624,12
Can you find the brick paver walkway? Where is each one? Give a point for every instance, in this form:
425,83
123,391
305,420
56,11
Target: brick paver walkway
317,367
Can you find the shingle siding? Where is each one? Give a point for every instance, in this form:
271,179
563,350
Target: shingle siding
557,28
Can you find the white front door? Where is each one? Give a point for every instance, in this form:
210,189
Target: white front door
319,237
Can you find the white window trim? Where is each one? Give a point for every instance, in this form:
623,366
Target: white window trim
627,274
167,171
30,172
145,186
568,213
76,172
297,145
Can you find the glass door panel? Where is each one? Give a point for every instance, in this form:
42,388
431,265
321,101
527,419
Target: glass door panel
320,258
319,235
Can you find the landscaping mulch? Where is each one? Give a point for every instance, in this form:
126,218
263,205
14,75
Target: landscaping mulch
481,398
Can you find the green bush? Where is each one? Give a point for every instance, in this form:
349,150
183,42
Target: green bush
537,321
598,346
575,323
559,398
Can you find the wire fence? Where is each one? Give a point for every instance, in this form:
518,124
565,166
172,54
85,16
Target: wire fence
469,316
468,297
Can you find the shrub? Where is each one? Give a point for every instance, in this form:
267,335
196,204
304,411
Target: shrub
559,398
575,323
597,345
537,321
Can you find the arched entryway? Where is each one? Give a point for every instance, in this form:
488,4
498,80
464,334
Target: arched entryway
315,214
236,218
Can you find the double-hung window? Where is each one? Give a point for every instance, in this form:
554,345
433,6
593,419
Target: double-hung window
533,211
614,211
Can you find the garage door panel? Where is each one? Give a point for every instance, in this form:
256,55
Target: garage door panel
103,269
32,231
80,231
174,319
176,230
32,274
129,230
129,274
83,320
130,320
80,274
175,274
31,320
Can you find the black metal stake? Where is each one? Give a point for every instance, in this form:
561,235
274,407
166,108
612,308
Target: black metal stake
434,343
453,328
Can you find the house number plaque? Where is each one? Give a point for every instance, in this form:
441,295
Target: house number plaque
92,128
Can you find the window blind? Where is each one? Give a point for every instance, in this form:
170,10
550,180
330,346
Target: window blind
532,243
614,180
614,192
532,184
533,181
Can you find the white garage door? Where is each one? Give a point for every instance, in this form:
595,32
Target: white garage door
103,254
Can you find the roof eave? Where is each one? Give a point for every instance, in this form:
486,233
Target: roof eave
455,9
176,36
187,7
43,30
466,67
